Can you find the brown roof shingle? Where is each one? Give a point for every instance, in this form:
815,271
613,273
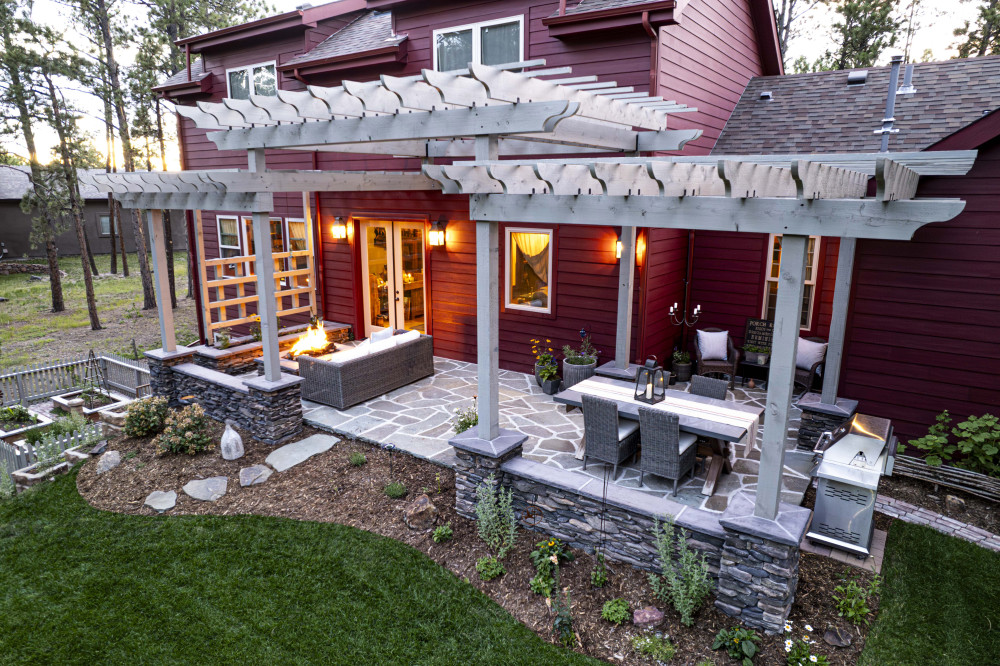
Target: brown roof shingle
585,6
818,112
197,74
369,31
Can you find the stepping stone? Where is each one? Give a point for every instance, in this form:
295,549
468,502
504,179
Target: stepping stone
291,455
255,475
161,501
207,490
108,461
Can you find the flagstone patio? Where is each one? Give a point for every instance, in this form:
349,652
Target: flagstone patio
417,419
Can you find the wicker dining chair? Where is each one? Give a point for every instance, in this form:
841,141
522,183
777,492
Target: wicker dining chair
608,438
806,378
709,387
666,451
725,367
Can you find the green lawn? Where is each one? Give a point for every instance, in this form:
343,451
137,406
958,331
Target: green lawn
940,602
84,586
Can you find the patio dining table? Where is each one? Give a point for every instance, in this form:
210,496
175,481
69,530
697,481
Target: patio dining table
720,421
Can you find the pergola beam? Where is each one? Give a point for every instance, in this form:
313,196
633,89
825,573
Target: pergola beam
194,201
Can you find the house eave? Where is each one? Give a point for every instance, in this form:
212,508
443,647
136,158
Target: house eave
397,53
619,18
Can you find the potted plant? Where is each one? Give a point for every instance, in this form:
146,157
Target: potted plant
579,364
543,356
549,377
758,355
682,365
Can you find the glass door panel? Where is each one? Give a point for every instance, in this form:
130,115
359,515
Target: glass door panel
410,276
376,259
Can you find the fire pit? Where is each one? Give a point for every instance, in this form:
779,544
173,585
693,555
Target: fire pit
313,342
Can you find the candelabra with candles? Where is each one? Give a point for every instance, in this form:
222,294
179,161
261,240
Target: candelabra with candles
677,318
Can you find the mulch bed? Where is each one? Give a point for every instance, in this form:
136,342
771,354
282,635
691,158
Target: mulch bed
981,513
327,488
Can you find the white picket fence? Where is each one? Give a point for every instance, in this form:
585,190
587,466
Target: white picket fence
30,383
19,455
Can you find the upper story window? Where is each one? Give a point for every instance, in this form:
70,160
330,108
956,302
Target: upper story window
259,79
529,269
809,284
104,222
487,43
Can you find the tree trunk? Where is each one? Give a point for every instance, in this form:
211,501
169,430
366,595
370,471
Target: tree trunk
121,237
104,21
90,253
55,277
111,231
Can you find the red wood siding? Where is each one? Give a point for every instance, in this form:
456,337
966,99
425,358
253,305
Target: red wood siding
663,285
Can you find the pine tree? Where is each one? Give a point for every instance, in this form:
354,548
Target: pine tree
865,29
983,38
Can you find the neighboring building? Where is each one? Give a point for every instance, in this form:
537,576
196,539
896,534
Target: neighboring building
15,224
921,334
558,279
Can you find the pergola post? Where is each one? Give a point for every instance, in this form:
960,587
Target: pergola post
626,283
488,311
168,337
838,322
264,264
780,383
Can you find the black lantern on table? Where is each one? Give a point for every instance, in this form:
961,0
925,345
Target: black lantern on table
650,383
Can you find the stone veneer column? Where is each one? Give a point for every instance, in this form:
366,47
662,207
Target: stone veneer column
161,375
276,408
477,459
759,568
818,417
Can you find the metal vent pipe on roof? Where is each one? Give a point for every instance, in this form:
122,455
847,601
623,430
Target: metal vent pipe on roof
890,104
907,87
766,95
857,77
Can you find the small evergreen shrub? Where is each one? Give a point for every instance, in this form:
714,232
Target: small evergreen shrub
395,490
615,611
443,533
489,567
357,459
495,516
146,417
685,583
648,645
185,431
739,643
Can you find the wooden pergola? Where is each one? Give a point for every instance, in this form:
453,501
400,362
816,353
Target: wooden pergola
523,109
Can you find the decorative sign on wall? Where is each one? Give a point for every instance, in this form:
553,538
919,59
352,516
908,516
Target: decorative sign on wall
759,333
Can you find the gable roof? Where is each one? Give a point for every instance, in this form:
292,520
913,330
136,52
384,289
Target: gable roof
14,182
369,31
819,112
181,78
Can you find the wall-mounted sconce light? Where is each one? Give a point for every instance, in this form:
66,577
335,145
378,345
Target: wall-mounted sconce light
618,247
339,227
436,236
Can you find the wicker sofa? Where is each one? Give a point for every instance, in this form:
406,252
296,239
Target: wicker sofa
352,382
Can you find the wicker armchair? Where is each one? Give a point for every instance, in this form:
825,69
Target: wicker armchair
709,387
805,378
726,367
607,438
666,451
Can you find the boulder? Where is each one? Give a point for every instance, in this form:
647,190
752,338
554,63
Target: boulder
232,444
255,475
421,514
108,461
647,618
837,637
207,490
99,448
161,501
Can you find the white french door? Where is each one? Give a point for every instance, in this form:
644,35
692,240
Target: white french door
393,271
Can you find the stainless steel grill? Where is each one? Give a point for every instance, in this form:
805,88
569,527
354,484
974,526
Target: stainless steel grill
851,460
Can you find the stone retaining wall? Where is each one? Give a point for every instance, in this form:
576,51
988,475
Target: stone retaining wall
15,268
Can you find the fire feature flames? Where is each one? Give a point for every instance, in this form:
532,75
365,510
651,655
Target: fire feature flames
313,340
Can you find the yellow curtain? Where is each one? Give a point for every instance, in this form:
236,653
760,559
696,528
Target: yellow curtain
535,248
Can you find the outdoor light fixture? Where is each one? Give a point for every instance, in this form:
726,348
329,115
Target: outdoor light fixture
436,236
650,383
339,228
618,248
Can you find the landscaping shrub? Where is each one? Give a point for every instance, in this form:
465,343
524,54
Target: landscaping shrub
976,449
68,425
185,431
395,490
357,459
544,581
648,645
489,567
443,533
851,599
739,643
48,453
465,418
615,611
146,417
599,574
685,583
495,516
6,485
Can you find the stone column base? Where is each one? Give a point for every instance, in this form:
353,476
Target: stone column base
477,459
161,375
818,417
276,408
759,569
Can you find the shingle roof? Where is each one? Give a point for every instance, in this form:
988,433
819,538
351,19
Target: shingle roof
14,183
369,31
585,6
819,112
197,74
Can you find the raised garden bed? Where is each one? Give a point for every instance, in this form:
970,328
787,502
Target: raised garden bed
973,483
91,403
31,476
12,429
327,488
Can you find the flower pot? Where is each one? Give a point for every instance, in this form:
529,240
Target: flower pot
538,373
760,358
682,371
574,373
551,386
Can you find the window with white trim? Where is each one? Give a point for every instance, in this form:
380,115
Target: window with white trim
496,42
260,79
104,224
529,270
809,284
229,241
295,231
